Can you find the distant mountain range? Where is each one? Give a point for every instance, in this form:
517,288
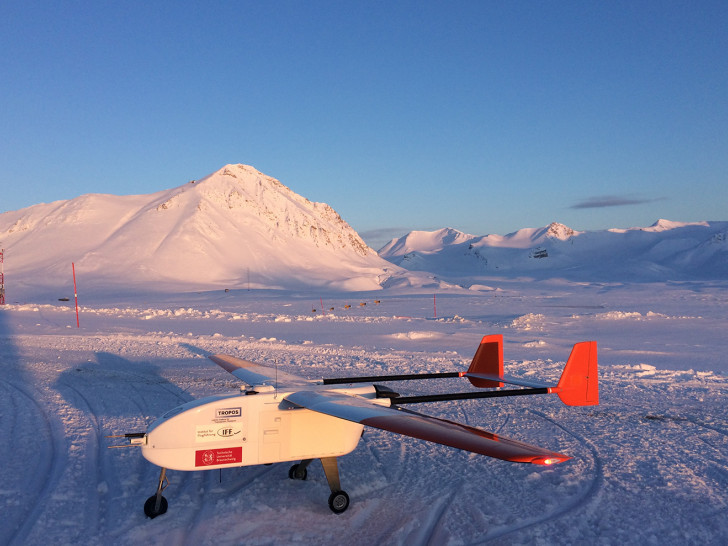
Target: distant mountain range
238,228
664,251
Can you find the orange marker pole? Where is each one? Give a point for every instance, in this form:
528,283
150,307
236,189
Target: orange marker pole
434,303
75,292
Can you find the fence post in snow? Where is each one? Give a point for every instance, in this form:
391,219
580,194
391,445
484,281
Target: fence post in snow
2,277
75,292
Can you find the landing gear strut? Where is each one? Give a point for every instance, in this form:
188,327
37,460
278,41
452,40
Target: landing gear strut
338,500
156,505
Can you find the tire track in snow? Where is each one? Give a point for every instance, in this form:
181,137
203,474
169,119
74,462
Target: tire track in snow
48,468
107,496
720,459
149,395
92,450
177,393
200,484
205,506
579,502
696,459
142,475
717,460
433,533
382,450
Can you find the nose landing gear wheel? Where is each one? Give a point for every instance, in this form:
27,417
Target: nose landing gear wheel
298,471
338,502
156,505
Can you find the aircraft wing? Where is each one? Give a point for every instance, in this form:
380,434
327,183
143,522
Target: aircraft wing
254,374
423,427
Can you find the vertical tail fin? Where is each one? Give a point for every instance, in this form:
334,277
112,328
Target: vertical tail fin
488,360
579,384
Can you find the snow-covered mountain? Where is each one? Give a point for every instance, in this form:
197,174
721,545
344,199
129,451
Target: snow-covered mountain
235,228
664,251
239,228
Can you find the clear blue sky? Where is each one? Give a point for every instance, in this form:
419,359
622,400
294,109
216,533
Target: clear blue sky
482,116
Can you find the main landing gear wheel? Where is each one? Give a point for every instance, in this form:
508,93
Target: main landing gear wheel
338,502
297,472
150,507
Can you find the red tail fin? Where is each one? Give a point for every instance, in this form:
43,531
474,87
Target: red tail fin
488,360
579,384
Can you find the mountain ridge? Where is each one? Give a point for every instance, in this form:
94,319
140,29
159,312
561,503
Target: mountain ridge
666,250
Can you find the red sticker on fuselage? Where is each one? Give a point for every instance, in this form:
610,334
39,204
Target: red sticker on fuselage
212,457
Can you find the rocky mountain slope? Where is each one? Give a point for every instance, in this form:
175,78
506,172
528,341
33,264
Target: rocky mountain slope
235,228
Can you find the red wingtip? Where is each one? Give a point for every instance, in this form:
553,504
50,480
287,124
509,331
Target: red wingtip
488,360
548,461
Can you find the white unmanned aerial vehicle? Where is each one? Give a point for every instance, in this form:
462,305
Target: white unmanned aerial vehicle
280,417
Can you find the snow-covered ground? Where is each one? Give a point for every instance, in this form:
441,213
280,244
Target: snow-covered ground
650,462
